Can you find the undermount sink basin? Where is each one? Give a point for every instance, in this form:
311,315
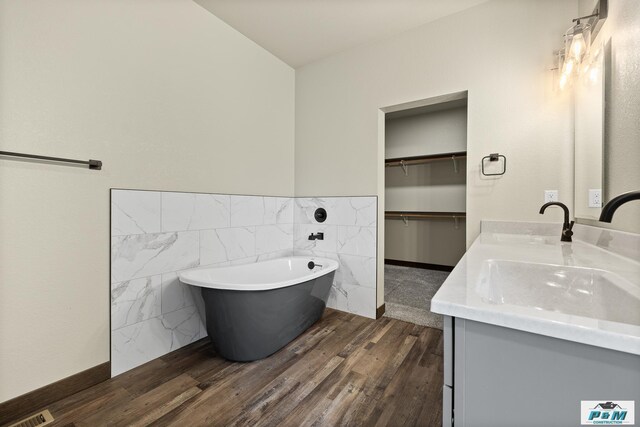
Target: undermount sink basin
578,291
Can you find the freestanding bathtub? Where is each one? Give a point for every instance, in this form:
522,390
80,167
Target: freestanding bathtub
253,310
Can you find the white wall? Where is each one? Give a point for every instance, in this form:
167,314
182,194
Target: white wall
430,186
435,132
434,241
501,52
169,98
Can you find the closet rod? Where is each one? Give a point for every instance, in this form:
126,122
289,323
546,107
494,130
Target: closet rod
416,160
423,215
93,164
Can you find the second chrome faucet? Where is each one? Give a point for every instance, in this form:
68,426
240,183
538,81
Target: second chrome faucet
567,226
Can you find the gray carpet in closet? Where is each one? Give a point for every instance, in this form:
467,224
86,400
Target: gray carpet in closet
408,292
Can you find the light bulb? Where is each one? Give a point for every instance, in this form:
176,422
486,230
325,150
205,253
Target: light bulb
577,41
593,75
577,47
560,58
563,81
568,66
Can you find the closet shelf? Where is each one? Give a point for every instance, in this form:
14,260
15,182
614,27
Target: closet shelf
406,216
416,160
423,215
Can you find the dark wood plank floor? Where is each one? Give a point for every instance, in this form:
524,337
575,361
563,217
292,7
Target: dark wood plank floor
345,370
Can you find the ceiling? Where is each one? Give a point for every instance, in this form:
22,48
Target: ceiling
302,31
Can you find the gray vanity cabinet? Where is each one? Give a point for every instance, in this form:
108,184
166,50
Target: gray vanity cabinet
496,376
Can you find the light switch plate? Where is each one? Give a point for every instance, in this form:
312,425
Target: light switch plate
595,198
550,196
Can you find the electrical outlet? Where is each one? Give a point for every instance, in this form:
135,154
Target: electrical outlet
595,198
550,196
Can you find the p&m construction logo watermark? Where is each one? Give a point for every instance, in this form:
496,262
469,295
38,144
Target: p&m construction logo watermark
606,412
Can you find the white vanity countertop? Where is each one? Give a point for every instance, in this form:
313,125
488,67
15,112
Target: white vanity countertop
534,283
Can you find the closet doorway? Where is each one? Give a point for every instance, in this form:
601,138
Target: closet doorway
425,204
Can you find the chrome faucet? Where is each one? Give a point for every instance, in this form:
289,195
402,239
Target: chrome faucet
317,236
567,226
607,211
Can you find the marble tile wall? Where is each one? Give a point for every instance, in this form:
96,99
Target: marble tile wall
350,237
157,234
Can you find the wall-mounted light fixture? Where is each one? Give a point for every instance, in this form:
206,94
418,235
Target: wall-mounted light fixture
573,59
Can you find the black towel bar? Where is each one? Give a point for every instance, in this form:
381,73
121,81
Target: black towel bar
93,164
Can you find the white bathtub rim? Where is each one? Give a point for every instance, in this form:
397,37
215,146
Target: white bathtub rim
190,276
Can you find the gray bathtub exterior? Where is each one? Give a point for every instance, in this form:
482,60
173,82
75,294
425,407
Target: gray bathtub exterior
251,325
